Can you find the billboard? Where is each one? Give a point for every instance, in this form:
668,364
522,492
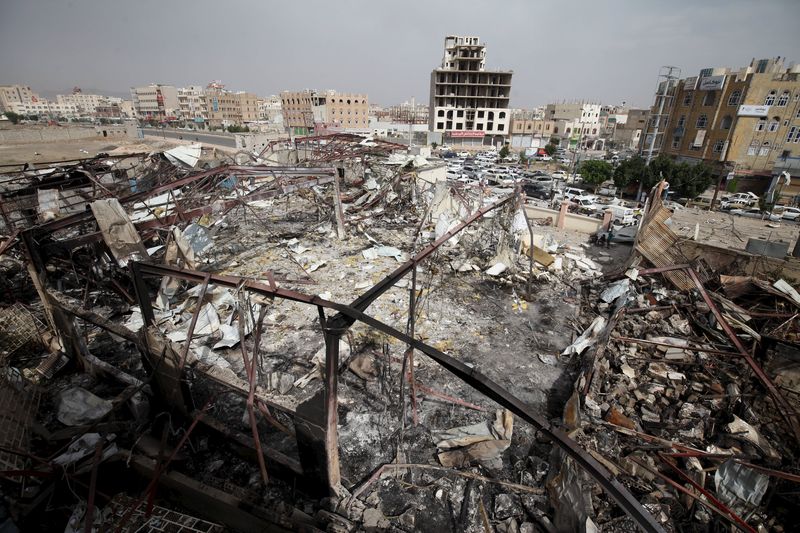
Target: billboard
466,133
712,83
753,110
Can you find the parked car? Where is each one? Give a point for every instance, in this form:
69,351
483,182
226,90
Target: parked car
535,190
543,157
746,199
790,213
572,192
755,213
622,215
564,160
587,204
463,154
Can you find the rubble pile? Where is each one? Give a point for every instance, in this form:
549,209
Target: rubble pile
178,350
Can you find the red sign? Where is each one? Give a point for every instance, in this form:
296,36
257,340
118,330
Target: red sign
467,133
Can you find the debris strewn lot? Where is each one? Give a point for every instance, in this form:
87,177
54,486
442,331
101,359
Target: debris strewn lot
333,337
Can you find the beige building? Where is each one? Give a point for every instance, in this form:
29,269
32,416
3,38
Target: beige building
307,111
226,108
742,121
16,94
192,103
158,102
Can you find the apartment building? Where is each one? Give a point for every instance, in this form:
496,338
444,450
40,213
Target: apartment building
16,94
742,121
226,108
269,109
529,128
467,101
155,101
192,103
86,104
577,123
628,135
307,111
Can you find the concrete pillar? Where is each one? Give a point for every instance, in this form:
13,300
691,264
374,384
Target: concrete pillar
562,214
607,215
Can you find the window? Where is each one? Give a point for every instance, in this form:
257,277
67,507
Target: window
702,121
709,98
734,98
764,150
480,114
773,125
784,99
718,146
762,66
479,127
682,121
753,148
502,114
500,127
676,142
569,130
460,113
440,125
726,122
785,154
594,131
687,98
794,135
770,99
440,113
761,124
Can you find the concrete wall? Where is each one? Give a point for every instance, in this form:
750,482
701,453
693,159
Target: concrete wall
53,133
574,222
737,262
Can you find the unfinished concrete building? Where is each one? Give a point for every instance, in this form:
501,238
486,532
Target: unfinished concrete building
468,103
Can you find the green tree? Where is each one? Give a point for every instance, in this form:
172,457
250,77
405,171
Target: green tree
434,145
595,172
504,151
631,170
13,117
550,148
690,180
522,159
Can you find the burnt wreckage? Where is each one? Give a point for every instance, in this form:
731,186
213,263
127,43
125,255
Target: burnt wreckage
175,353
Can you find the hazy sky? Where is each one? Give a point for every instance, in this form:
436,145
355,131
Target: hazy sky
608,51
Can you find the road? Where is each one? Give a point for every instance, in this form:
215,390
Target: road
206,138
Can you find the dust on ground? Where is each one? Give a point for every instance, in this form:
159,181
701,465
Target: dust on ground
730,231
45,151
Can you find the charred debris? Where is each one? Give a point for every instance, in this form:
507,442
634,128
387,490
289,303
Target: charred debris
331,336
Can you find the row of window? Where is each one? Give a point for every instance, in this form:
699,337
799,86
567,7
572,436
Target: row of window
735,97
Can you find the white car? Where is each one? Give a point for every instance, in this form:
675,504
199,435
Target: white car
790,213
462,154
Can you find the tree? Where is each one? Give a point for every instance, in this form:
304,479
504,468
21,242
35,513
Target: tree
522,159
550,148
504,151
13,117
632,170
595,172
690,180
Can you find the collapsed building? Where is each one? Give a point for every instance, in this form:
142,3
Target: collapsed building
329,336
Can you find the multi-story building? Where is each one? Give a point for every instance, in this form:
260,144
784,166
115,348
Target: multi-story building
269,109
577,123
628,135
16,94
307,111
468,102
226,108
155,102
743,121
86,104
529,129
192,103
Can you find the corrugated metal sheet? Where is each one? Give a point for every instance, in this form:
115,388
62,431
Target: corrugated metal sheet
656,243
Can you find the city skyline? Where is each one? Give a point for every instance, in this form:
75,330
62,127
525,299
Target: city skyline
589,52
